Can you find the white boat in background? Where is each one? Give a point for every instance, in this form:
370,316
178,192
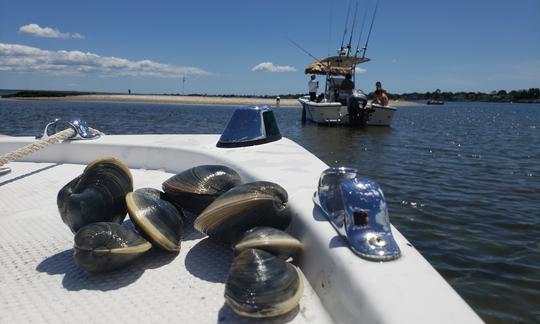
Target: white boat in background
336,106
339,107
40,282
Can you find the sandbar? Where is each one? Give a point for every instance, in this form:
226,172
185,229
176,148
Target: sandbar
192,100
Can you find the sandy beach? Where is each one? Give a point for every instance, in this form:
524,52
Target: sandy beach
191,100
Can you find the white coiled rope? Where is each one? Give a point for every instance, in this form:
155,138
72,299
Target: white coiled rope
36,146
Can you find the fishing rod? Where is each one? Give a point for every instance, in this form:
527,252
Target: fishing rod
326,65
370,28
303,50
352,29
361,31
346,24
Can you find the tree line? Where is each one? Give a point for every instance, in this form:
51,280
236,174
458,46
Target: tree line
530,95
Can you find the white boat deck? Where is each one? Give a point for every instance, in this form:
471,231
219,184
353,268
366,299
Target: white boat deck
40,283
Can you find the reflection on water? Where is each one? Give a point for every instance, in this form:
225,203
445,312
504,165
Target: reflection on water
462,181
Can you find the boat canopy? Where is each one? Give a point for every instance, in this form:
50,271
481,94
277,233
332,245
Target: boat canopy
335,65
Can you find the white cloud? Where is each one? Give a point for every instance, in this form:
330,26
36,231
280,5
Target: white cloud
270,67
21,58
360,70
47,32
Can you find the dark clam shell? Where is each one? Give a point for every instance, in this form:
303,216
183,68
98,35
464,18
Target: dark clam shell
97,195
243,207
158,194
272,240
157,218
262,285
102,247
151,192
195,188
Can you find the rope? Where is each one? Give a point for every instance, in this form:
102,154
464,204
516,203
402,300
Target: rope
36,146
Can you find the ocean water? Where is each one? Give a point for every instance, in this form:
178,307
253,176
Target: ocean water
462,180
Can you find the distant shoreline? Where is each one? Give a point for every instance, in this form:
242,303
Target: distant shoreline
189,100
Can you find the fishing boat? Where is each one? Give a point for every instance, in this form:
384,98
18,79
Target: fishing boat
355,266
344,107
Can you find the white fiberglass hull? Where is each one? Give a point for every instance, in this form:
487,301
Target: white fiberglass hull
336,113
41,282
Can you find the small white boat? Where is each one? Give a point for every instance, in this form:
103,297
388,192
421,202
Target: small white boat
340,107
40,281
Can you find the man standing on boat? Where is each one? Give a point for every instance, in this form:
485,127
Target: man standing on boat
313,86
347,85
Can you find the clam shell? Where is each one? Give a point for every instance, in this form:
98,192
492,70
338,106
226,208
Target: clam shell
97,195
195,188
243,207
158,194
262,285
102,246
151,192
157,218
271,240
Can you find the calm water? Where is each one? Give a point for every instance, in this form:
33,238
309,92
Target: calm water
462,181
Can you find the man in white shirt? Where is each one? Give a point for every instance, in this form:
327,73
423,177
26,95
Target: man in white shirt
313,86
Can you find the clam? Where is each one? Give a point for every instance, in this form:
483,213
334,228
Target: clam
102,246
152,192
243,207
97,195
269,239
160,195
157,218
262,285
195,188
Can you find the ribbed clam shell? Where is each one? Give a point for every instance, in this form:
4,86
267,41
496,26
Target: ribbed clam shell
262,285
97,195
151,192
243,207
157,218
102,247
194,189
272,240
161,195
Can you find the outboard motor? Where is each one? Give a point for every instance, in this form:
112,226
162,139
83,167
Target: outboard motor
358,116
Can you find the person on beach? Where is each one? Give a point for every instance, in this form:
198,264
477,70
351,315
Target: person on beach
313,86
380,98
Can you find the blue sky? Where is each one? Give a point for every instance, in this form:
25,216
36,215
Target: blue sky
415,45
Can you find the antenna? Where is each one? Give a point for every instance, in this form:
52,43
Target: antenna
352,29
346,24
361,30
330,28
370,27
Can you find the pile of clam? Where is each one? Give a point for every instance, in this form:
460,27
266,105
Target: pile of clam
250,216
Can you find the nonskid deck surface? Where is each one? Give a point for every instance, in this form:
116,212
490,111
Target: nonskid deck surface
40,282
